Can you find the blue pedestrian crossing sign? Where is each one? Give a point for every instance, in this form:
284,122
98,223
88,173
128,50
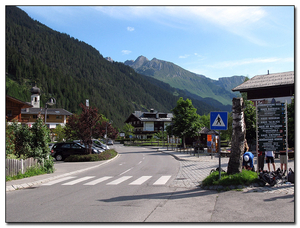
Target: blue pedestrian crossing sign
218,120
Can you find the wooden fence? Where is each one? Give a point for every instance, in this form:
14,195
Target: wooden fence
14,166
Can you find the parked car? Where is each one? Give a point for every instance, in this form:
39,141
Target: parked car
98,143
51,145
95,150
110,142
62,150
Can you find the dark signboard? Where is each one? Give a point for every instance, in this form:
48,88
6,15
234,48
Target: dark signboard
271,127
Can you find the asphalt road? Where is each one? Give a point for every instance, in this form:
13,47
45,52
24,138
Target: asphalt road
144,185
128,189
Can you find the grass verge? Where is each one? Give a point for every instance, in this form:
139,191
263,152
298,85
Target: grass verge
32,171
106,155
246,177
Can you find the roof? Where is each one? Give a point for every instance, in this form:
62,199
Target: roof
267,81
19,102
142,117
205,130
50,111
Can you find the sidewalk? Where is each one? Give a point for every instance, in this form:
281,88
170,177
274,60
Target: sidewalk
194,169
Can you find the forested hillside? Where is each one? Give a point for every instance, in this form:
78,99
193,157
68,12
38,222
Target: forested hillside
72,71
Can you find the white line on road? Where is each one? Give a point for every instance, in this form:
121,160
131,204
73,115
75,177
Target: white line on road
98,181
162,180
118,181
78,180
125,171
59,180
140,180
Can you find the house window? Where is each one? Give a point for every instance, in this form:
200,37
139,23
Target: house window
58,117
34,116
9,113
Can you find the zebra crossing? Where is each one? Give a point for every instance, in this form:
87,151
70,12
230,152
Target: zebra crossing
109,180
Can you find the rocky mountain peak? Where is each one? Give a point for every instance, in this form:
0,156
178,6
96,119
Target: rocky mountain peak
140,61
109,59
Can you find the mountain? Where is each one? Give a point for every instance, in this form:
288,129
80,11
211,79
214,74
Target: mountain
177,77
72,71
109,59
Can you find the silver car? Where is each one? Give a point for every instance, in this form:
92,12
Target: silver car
96,150
98,143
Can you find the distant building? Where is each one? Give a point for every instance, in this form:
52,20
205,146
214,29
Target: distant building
148,123
267,88
13,109
55,116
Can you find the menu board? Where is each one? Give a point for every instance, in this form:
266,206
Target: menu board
271,127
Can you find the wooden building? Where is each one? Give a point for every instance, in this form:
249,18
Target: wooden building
55,116
13,109
27,112
148,123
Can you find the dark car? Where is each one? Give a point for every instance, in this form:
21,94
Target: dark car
62,150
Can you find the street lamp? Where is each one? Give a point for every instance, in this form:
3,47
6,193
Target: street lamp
162,135
51,102
110,122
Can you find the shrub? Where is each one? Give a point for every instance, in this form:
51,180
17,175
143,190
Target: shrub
246,177
48,166
106,155
32,171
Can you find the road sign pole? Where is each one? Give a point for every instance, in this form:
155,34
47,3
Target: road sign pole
257,138
219,155
286,138
219,121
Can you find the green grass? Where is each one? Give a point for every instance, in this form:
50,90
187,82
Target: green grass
108,154
32,171
246,177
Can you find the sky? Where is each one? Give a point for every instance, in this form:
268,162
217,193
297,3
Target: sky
215,41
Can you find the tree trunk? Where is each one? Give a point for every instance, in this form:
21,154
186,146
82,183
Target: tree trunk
238,137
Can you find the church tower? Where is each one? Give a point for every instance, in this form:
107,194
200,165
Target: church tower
35,97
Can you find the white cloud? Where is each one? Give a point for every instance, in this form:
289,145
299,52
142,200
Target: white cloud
130,29
184,56
126,52
240,20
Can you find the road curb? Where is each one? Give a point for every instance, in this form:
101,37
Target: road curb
30,184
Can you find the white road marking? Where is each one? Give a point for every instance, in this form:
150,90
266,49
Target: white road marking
94,182
125,171
78,180
58,180
120,180
140,180
162,180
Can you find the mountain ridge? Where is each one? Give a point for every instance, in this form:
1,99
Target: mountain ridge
180,78
73,71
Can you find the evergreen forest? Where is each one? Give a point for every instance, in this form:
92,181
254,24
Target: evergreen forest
72,71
